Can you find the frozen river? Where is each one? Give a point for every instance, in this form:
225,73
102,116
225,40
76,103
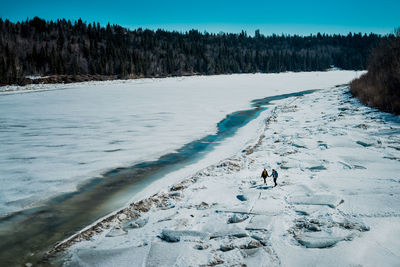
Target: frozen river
71,154
54,140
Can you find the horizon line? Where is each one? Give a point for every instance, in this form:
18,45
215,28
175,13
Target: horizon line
235,29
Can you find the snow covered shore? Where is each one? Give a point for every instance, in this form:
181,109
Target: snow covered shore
337,203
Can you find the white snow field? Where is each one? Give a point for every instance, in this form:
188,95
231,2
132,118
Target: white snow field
337,202
55,137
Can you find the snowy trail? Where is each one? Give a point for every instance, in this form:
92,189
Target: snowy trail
337,203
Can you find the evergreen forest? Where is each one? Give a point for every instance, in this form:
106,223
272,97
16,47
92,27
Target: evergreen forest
73,51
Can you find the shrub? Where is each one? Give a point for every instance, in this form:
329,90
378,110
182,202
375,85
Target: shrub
380,86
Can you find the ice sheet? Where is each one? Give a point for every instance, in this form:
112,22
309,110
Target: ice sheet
54,137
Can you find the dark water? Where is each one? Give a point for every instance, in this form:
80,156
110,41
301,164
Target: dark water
25,236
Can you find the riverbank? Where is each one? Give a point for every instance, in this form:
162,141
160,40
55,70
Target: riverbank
79,78
68,81
336,202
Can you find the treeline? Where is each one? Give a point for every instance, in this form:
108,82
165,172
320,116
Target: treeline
39,47
380,86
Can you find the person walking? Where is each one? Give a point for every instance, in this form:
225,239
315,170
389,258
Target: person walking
264,175
275,176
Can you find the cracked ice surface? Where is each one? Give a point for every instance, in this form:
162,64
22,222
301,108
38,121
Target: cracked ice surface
339,215
59,136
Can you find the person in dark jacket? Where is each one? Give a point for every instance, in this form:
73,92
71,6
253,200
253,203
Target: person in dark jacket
264,175
275,176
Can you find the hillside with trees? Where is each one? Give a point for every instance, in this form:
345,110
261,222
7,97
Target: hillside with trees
380,86
74,51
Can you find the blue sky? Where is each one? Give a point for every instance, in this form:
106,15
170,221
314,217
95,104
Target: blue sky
289,17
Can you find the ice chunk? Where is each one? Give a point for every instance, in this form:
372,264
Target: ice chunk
240,210
319,239
328,200
262,238
175,194
201,246
302,212
284,165
313,227
268,206
226,247
317,168
361,143
176,235
236,218
202,206
307,210
345,165
263,186
175,254
259,222
122,217
230,231
258,257
299,145
136,223
253,244
323,146
167,204
116,231
352,224
359,167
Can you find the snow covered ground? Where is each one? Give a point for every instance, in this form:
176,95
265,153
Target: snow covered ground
54,137
337,202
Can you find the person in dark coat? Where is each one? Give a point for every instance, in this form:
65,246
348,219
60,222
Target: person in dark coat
264,175
275,176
